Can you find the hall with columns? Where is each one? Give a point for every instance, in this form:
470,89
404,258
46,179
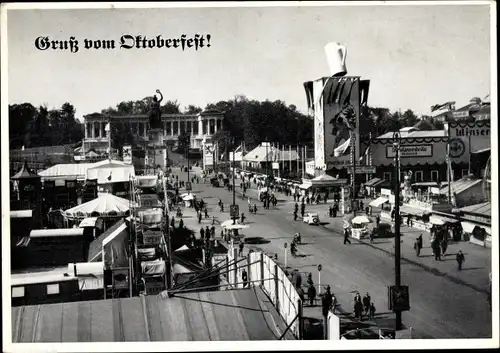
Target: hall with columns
201,127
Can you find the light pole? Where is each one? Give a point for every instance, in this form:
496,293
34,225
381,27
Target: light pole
397,225
187,157
353,160
234,189
267,163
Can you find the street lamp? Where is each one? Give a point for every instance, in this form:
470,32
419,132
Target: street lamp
234,192
397,225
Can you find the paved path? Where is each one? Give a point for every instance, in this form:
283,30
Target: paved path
445,303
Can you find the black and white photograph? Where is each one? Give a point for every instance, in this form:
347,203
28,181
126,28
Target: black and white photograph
181,176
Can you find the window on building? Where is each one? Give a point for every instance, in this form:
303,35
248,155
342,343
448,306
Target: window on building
182,126
168,127
188,127
434,175
465,172
17,292
52,289
195,128
387,176
212,127
219,124
89,130
419,176
176,127
205,123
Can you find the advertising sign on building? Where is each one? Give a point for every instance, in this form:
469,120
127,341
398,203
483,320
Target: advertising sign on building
336,104
410,151
127,154
468,137
276,165
208,155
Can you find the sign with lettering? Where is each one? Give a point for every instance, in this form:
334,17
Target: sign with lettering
409,151
457,148
362,169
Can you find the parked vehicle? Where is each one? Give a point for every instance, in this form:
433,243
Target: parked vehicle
311,218
384,230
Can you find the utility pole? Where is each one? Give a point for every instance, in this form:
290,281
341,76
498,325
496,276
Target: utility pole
397,225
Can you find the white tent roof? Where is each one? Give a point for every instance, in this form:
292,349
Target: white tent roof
74,170
103,205
110,172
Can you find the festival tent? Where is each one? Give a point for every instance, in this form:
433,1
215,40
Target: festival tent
110,172
105,205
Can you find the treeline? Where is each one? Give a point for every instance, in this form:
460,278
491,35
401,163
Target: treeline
35,127
248,121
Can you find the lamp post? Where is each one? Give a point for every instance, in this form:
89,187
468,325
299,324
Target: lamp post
353,160
234,189
397,225
187,157
267,163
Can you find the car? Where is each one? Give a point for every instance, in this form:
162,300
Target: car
311,218
384,230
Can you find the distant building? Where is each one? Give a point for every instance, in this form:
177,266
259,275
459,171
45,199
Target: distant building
198,126
476,109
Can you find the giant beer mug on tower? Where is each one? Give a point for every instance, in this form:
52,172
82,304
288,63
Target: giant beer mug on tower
336,55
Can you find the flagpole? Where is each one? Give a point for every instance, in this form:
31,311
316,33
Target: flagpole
289,160
298,160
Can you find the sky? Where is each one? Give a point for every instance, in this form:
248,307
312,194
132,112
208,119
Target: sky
415,56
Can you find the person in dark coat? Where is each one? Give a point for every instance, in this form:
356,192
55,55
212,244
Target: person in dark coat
207,232
302,209
311,294
181,223
199,217
378,220
244,277
202,233
326,301
172,222
366,303
346,236
437,251
240,246
460,259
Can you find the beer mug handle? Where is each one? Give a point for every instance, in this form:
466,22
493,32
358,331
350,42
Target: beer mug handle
343,50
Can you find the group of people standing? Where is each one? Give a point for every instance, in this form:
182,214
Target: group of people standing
363,307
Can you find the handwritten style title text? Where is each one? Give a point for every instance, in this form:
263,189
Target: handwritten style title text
127,41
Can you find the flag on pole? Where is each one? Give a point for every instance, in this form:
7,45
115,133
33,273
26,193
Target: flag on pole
445,106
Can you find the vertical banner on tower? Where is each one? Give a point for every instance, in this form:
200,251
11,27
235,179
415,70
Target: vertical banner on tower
341,106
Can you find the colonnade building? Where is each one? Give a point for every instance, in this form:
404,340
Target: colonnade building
201,127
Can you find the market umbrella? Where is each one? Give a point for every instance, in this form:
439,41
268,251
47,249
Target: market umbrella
188,197
361,220
229,225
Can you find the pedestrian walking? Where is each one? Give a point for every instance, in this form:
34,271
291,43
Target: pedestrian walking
240,246
444,245
460,259
346,236
244,277
358,310
206,213
366,303
372,312
202,233
372,235
311,294
326,301
254,208
181,224
437,251
378,220
199,217
295,215
212,232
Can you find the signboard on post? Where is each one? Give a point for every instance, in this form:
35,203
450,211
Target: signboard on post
188,186
127,154
362,169
234,211
276,165
320,267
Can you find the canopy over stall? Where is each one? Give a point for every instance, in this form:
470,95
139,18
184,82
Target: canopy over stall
323,180
111,172
105,205
25,174
379,201
114,243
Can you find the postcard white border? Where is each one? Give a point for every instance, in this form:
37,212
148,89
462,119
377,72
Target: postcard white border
248,345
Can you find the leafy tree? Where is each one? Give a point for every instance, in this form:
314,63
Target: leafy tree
183,142
171,107
409,118
192,109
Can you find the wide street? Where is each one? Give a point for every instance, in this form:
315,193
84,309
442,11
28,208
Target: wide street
440,307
